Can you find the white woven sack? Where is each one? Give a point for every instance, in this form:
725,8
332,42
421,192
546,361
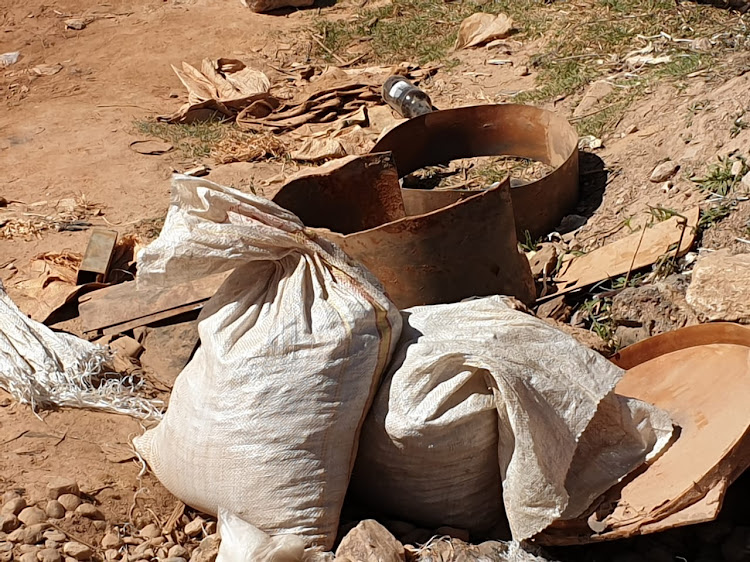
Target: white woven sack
484,414
264,420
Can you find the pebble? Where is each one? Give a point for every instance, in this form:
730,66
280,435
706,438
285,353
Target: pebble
70,559
34,534
55,509
51,544
59,486
32,516
211,527
175,559
17,535
14,506
195,527
24,548
162,553
207,550
177,551
89,512
8,523
111,554
664,171
6,556
10,495
49,555
55,535
75,23
29,557
150,531
69,501
100,525
737,167
77,551
522,70
6,546
158,541
111,540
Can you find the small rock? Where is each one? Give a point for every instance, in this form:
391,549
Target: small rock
150,532
111,540
178,551
544,261
664,171
49,555
16,536
54,509
6,556
162,553
594,94
32,516
29,557
370,542
111,554
24,548
34,534
10,495
59,486
100,525
207,550
14,506
210,527
175,559
51,544
569,223
69,501
195,527
8,523
701,44
89,512
737,167
55,535
454,533
77,550
720,286
75,23
70,559
522,70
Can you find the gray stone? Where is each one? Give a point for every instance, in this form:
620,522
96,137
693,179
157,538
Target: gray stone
370,542
75,23
14,506
69,501
54,509
77,550
178,551
594,94
664,171
32,516
207,550
150,531
49,555
8,523
194,528
28,557
89,512
720,287
59,486
111,540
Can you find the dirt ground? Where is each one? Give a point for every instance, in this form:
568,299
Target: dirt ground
66,136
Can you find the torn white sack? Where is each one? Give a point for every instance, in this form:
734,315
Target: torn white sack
44,368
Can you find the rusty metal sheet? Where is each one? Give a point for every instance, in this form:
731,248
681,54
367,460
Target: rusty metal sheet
492,130
346,195
700,375
98,256
465,249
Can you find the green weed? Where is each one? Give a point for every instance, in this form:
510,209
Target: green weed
193,141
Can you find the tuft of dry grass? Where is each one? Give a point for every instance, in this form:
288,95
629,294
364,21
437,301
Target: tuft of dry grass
237,146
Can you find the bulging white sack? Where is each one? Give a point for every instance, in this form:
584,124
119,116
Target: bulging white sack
488,412
264,420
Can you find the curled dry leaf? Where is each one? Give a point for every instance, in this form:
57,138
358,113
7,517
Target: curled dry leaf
481,28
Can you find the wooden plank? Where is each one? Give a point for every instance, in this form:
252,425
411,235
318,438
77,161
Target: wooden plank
125,304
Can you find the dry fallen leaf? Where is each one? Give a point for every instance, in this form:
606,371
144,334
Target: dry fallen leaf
481,28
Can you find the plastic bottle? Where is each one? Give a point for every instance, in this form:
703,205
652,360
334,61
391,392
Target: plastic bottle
404,97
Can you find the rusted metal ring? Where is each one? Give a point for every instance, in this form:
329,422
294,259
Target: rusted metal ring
492,130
